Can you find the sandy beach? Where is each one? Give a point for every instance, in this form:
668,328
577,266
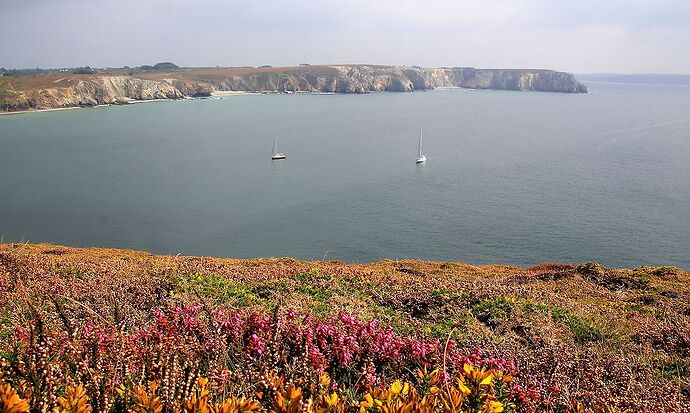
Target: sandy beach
228,93
38,110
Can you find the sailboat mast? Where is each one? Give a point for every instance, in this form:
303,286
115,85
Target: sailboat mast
275,146
419,149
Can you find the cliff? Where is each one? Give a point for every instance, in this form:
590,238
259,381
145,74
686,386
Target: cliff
367,78
51,91
94,91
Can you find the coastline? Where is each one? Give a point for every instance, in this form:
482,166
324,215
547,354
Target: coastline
53,91
105,105
16,112
219,93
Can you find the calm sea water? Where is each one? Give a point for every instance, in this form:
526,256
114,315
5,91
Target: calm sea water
512,177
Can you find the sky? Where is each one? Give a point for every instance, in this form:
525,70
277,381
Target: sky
580,36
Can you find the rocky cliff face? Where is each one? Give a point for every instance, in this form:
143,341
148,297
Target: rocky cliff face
364,79
107,89
96,91
511,79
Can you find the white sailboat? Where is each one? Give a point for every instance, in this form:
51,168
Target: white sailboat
421,157
275,154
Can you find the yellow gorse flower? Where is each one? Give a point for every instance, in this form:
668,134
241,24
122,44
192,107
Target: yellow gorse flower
487,380
494,407
472,387
324,380
10,402
331,400
74,401
464,389
147,400
399,388
483,376
235,405
367,402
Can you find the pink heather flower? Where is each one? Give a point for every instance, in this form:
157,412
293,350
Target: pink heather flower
371,350
443,376
87,330
104,339
22,333
255,344
316,359
159,313
554,389
347,319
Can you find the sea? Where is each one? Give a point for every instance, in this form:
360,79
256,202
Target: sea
516,178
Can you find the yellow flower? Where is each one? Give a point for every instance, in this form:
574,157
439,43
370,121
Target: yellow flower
324,380
494,407
487,380
235,405
294,393
464,389
396,387
331,400
147,401
501,376
11,402
74,401
368,401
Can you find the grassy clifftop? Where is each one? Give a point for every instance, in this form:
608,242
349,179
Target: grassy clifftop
577,333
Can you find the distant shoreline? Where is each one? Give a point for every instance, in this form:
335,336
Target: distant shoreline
59,90
637,79
17,112
219,94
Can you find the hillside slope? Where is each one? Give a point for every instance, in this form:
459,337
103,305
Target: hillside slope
606,337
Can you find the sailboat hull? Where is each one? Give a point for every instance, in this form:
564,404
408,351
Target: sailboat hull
278,156
421,159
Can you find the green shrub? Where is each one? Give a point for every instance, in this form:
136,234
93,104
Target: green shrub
490,310
314,292
584,330
217,288
447,295
590,269
665,270
532,306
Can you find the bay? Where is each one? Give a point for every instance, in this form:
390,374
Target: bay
511,177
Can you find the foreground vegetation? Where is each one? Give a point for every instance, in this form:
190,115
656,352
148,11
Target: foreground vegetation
112,330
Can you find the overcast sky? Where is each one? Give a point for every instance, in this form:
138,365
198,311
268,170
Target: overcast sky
582,36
